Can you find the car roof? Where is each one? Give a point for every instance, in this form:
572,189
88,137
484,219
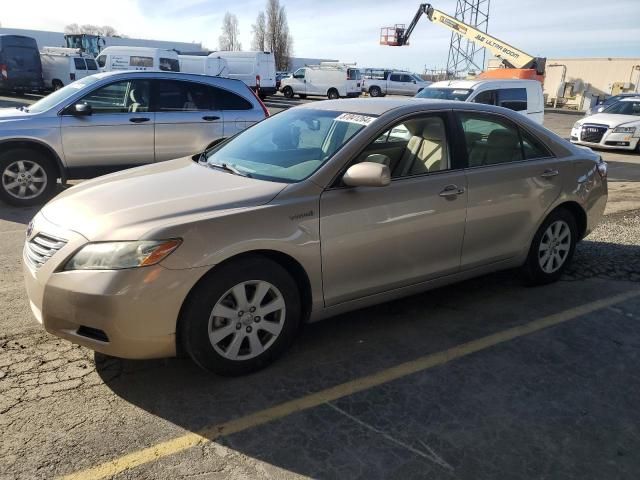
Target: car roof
165,75
630,99
474,83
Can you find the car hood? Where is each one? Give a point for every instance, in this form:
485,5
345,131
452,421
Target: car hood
127,204
610,119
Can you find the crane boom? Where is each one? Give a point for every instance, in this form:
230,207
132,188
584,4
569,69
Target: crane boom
509,55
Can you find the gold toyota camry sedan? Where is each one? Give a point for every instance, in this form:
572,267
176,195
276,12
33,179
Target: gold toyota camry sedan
321,209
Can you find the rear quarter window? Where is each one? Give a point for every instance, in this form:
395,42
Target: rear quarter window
226,100
513,98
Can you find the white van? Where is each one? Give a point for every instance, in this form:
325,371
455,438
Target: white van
328,79
524,96
138,58
60,68
212,66
256,69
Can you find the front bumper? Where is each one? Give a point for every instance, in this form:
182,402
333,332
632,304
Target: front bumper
128,313
609,140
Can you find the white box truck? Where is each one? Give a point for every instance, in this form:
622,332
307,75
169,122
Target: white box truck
213,66
138,58
256,69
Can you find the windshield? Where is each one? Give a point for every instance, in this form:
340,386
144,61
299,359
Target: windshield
624,108
445,93
290,146
60,95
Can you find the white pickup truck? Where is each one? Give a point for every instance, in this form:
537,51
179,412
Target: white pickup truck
380,82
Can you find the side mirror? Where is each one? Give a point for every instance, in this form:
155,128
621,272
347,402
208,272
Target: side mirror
81,110
367,174
414,81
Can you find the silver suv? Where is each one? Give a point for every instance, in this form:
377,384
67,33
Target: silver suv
111,121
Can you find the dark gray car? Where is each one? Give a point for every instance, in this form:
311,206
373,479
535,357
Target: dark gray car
111,121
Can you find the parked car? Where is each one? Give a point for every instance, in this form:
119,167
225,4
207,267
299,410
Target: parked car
60,68
214,66
113,59
20,66
618,126
331,80
524,96
609,101
112,121
379,83
279,77
319,210
256,69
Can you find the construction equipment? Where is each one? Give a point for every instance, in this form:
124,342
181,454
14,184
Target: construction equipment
517,64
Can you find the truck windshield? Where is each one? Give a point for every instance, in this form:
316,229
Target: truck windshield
61,95
445,93
290,146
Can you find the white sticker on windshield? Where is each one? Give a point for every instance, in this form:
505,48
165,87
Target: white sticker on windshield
355,118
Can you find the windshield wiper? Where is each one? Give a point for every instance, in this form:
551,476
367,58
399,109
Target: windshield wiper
229,168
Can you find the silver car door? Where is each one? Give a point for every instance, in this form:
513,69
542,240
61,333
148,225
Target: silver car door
187,120
118,132
511,184
376,239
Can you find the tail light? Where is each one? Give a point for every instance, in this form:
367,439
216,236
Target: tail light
3,71
603,168
72,76
264,107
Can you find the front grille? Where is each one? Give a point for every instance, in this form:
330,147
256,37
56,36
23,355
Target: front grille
42,247
592,132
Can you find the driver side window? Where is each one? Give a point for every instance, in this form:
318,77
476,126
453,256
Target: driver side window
299,73
127,96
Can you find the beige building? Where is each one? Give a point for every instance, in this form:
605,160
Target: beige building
578,82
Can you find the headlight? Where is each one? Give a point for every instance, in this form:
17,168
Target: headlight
118,255
577,125
631,130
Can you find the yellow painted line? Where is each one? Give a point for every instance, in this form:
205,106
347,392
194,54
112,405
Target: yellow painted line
184,442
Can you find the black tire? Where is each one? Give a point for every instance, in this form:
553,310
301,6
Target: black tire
333,94
287,92
56,84
533,271
302,95
7,164
262,96
375,91
194,319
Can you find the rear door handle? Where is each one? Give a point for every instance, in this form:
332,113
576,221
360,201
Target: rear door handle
549,173
139,119
210,118
451,191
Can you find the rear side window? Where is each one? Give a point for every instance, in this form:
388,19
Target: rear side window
488,97
513,98
101,61
226,100
395,77
169,65
490,140
79,63
137,61
178,96
532,148
91,64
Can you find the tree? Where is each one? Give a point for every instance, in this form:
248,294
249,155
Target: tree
259,30
230,32
72,28
278,38
104,31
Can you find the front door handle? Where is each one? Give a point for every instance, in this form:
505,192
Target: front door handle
451,191
549,173
210,118
139,119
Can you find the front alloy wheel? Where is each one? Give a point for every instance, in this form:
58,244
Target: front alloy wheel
241,316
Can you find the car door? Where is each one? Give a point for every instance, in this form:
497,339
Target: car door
237,111
119,132
394,84
512,179
187,118
80,68
298,83
376,239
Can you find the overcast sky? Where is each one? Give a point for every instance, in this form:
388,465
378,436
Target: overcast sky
349,30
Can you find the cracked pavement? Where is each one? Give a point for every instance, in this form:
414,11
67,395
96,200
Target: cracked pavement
560,403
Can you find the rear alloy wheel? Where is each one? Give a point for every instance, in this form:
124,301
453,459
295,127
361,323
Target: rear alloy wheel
27,177
287,92
552,248
242,318
333,94
375,91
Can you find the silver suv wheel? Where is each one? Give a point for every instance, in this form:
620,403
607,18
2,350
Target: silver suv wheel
24,179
